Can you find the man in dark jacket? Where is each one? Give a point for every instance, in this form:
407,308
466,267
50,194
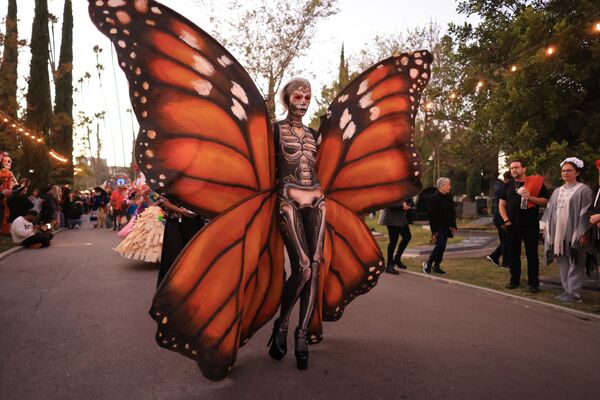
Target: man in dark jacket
18,203
442,221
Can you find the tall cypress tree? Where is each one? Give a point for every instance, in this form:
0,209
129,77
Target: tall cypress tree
8,75
39,103
343,76
62,139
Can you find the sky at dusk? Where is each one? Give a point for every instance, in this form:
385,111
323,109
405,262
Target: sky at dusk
354,25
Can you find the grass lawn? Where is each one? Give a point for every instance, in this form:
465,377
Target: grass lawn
420,236
480,272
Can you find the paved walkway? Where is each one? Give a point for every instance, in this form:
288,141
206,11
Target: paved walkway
75,326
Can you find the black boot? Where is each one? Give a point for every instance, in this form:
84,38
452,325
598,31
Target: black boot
301,348
391,270
437,269
399,264
278,342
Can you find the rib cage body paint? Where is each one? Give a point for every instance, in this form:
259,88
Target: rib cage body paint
296,156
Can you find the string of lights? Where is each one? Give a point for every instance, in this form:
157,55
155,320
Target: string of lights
550,50
18,128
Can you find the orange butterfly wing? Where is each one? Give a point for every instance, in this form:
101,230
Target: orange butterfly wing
367,161
225,285
205,140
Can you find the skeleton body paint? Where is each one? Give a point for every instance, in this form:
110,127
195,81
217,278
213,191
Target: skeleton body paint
302,211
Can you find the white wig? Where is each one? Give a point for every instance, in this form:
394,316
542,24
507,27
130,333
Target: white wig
288,88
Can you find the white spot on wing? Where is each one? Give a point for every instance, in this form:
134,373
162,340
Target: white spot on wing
224,61
374,113
404,61
349,132
202,86
156,10
203,66
189,39
239,92
343,98
116,3
365,101
364,85
238,110
414,73
141,5
345,118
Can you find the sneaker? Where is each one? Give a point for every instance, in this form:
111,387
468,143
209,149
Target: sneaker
391,270
512,286
560,296
426,267
534,289
492,260
438,270
570,299
505,266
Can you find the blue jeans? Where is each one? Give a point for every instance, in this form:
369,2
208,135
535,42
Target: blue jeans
440,246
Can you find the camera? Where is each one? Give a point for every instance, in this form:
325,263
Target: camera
45,227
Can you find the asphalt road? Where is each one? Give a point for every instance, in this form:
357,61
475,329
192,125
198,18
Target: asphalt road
74,325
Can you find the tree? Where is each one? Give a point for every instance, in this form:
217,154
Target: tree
269,35
549,104
39,104
62,139
8,67
8,75
329,92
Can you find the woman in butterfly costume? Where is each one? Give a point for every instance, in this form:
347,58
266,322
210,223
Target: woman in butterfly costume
302,212
206,142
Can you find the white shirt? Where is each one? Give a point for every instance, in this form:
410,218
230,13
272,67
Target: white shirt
21,229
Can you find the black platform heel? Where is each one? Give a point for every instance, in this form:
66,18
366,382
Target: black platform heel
301,348
278,342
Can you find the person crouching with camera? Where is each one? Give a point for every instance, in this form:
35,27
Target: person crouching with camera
25,233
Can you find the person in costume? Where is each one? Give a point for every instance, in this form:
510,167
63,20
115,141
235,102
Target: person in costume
302,211
145,240
519,208
7,181
207,143
567,229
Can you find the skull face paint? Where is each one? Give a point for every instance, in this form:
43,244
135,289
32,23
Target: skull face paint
299,102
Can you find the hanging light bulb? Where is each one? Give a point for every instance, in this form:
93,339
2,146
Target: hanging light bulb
479,84
513,68
597,27
550,50
452,96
